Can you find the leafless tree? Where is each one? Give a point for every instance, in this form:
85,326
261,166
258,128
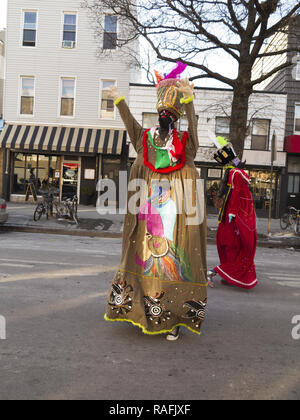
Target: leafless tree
187,30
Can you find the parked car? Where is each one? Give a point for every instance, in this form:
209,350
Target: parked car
3,212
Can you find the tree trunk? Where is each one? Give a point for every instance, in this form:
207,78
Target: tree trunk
239,117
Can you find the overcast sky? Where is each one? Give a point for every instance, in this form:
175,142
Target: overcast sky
3,13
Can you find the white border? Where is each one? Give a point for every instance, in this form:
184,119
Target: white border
237,281
68,117
297,104
63,13
100,100
23,76
22,20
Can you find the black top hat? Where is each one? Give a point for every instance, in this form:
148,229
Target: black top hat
225,155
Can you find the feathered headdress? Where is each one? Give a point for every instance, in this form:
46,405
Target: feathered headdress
168,95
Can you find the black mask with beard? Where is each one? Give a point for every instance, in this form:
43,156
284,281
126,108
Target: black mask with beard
165,121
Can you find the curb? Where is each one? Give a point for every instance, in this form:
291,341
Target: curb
79,232
117,235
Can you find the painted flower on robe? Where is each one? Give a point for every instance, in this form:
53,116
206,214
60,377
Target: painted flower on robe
120,297
197,311
163,258
155,310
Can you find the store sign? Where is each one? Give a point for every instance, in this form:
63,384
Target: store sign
214,173
262,158
90,174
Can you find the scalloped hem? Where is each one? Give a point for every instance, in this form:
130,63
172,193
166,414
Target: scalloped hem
145,331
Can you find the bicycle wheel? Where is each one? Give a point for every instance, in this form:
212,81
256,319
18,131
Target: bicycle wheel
285,221
38,212
297,227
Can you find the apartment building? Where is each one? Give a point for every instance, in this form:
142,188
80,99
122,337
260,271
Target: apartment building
59,119
2,65
287,81
266,115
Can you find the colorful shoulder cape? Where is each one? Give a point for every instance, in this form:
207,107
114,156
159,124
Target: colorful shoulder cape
168,159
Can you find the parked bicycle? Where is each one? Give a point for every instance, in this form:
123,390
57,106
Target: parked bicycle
45,207
291,219
66,209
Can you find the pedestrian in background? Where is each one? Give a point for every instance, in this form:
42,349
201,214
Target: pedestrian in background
237,235
31,187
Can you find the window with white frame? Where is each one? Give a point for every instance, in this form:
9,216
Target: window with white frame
29,28
69,30
110,32
67,97
297,119
222,126
107,103
27,95
298,67
260,134
150,119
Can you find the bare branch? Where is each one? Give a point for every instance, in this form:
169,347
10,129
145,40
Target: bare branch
271,73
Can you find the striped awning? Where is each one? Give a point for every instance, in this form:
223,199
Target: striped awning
44,138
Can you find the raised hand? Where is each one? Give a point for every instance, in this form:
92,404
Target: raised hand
184,86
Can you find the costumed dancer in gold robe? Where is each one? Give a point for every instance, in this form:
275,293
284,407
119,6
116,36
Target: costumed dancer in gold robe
161,283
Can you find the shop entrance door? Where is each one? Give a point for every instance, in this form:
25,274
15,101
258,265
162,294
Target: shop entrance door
294,191
70,180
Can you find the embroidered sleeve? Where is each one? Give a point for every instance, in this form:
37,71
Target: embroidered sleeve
192,142
134,129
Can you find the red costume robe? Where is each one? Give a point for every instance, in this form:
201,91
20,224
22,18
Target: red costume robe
237,240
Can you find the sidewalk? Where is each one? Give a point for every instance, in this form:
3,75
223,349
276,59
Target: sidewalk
20,217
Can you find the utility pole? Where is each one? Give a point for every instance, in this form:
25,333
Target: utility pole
273,158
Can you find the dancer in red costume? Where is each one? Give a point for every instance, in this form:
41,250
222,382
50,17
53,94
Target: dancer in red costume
237,236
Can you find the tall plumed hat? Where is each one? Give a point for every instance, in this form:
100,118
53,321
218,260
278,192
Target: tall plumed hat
168,97
225,153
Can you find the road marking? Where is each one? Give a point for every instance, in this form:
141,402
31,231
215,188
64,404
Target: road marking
44,262
16,265
51,308
58,274
284,277
295,284
93,252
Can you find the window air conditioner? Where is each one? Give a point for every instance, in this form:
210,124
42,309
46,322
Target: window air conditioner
68,44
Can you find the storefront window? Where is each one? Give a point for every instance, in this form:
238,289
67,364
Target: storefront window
261,188
43,169
54,172
46,170
111,170
19,174
212,188
31,164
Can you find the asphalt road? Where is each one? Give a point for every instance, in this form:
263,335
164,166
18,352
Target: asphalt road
58,346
